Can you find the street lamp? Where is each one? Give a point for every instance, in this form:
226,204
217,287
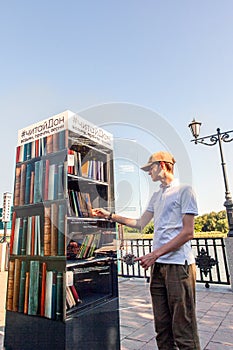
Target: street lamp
211,140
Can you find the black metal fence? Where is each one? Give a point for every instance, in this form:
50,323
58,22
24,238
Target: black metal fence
210,254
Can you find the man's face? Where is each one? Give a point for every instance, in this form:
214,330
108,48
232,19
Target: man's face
155,171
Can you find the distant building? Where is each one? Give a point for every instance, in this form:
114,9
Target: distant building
8,224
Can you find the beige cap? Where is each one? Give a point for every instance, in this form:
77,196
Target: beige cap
159,157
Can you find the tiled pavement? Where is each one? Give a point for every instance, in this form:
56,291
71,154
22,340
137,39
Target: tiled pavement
214,313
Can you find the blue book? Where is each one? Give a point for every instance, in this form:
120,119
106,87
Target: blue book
28,183
61,140
38,181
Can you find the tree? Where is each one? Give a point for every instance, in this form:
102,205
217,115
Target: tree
211,222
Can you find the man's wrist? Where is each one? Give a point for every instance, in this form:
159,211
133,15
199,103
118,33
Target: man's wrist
109,217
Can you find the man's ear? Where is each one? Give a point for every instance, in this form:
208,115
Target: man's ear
162,164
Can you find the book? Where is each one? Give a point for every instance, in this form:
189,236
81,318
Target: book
61,140
17,186
32,182
33,243
16,284
48,294
38,181
24,236
54,296
33,287
46,179
59,299
15,247
26,294
51,181
29,236
75,294
43,288
22,184
49,144
39,247
54,228
28,183
47,231
60,182
61,230
22,286
85,167
10,285
12,232
55,142
70,298
88,246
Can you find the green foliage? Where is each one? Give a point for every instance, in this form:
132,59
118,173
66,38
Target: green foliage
128,229
149,228
211,222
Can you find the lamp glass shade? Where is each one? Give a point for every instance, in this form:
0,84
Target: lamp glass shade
195,128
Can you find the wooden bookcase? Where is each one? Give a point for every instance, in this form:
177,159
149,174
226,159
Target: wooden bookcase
62,278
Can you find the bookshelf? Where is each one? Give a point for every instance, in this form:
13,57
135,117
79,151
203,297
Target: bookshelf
62,277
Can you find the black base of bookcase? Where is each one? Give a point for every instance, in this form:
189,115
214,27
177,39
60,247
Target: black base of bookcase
95,329
37,333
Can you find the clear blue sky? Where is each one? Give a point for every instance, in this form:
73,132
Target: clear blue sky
172,57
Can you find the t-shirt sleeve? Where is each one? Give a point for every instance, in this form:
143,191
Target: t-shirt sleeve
150,206
188,201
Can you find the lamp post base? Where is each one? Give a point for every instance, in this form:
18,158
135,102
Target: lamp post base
229,249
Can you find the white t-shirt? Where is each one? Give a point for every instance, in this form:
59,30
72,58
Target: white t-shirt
169,205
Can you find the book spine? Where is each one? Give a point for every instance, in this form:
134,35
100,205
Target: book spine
22,184
17,186
16,284
59,300
10,285
60,182
43,289
22,286
12,232
47,231
49,144
54,229
48,294
61,230
26,295
33,288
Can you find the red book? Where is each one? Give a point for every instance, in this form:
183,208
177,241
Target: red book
17,153
37,148
43,284
75,293
25,310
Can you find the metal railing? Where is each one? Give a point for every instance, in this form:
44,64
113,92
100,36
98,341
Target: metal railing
210,254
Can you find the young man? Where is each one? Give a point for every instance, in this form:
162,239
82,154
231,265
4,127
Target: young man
173,273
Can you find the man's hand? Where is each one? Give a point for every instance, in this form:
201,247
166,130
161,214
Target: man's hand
100,212
147,260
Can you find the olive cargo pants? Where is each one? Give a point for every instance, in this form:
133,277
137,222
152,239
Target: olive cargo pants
172,290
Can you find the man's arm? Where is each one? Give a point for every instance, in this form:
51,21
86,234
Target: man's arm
185,235
135,223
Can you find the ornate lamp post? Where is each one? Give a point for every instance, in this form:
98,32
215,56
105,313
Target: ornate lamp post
212,140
